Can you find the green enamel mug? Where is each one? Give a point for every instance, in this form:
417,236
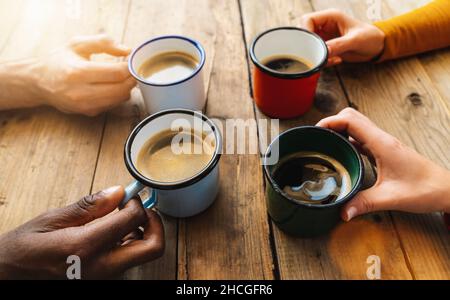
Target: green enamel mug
309,219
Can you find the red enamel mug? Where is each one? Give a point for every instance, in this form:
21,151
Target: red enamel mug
286,95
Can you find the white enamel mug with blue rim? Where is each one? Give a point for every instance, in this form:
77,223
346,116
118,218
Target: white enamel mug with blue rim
179,199
188,93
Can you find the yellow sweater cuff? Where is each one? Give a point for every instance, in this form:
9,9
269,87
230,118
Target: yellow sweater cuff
420,30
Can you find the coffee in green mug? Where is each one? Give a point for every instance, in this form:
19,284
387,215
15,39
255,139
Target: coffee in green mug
317,172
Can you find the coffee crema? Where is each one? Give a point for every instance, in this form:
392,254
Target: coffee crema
285,63
312,177
171,156
168,67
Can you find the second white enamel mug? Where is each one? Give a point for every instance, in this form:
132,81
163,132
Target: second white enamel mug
184,198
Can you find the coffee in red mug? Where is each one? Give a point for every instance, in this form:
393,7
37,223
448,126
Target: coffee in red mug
287,63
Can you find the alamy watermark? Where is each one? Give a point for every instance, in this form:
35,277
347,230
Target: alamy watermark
240,136
374,270
74,270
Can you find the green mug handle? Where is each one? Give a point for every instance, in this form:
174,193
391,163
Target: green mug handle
133,189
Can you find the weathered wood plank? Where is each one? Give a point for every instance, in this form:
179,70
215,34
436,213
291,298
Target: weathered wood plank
119,123
184,19
421,122
430,230
231,239
47,158
343,253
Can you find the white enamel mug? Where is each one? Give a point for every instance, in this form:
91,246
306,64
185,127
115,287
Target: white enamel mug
187,93
183,198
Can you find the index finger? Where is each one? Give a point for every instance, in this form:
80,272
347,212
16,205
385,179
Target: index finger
138,251
108,231
355,124
102,72
87,45
325,23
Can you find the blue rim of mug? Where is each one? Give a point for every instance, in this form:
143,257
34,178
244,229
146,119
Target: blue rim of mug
271,72
356,188
192,41
177,184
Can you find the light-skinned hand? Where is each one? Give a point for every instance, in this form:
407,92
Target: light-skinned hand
68,79
406,181
347,38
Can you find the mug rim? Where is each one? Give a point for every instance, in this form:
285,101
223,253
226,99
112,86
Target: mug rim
181,183
163,37
356,188
271,72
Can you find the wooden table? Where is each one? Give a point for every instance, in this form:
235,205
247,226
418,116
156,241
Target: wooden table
48,159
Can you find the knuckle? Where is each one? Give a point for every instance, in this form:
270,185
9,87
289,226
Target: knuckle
348,111
139,213
135,212
394,143
75,242
85,203
367,204
74,95
157,245
120,73
74,74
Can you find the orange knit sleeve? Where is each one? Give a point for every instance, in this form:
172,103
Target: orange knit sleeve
420,30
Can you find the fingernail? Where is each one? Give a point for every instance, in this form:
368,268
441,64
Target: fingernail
111,190
351,213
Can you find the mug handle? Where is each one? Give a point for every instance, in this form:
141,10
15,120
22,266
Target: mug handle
133,189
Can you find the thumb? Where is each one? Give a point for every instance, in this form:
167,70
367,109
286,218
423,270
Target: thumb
87,45
340,45
85,210
364,202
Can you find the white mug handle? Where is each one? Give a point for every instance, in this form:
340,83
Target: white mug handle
133,189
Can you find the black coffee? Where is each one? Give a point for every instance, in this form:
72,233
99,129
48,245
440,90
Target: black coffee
313,178
287,64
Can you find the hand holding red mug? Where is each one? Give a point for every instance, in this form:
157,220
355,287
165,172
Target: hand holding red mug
284,92
406,180
347,38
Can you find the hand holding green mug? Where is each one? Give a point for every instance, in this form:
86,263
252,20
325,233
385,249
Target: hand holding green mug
406,180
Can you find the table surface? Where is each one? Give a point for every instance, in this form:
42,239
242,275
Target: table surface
49,159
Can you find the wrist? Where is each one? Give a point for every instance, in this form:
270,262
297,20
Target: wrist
379,38
19,86
439,186
445,192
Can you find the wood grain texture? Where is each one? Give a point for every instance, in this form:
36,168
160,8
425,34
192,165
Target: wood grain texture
429,232
231,239
342,254
419,116
47,158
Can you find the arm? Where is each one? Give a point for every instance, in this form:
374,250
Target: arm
352,40
406,181
423,29
67,79
18,85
